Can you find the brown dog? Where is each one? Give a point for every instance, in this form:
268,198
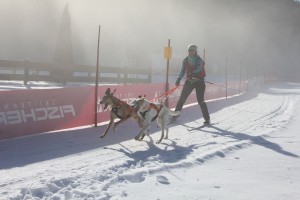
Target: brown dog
119,110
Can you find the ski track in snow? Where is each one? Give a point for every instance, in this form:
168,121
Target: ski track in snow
98,164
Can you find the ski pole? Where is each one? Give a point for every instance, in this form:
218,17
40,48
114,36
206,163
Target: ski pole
220,85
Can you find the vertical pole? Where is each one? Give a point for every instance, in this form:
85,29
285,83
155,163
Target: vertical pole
167,77
264,75
204,55
240,85
97,80
256,83
26,71
226,77
247,77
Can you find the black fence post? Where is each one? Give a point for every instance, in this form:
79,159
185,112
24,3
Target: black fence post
25,76
149,74
26,71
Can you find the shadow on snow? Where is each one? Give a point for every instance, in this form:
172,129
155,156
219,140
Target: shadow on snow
256,140
27,150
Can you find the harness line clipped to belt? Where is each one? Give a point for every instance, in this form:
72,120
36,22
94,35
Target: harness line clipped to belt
166,94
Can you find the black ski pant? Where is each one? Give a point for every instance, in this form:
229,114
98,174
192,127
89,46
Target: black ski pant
188,87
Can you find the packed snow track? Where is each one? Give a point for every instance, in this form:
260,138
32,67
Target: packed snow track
76,164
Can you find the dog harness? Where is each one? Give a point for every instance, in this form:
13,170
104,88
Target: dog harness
152,105
117,106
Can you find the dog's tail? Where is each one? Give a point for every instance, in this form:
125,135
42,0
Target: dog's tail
174,113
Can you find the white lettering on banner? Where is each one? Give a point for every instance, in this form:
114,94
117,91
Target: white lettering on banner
34,115
99,109
61,112
68,109
53,113
42,116
25,116
3,119
13,117
5,106
26,105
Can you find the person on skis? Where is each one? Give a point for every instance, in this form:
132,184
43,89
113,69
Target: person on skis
193,69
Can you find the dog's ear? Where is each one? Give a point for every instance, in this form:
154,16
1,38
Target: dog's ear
144,95
107,92
140,96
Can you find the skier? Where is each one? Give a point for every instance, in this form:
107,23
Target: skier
193,69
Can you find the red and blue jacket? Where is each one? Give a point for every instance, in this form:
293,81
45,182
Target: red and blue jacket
193,68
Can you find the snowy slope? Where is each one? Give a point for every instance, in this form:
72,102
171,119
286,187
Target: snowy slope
251,151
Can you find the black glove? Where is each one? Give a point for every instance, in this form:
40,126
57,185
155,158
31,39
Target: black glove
177,82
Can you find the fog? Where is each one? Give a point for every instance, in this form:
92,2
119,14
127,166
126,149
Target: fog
260,35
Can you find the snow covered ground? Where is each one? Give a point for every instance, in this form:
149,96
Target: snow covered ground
251,151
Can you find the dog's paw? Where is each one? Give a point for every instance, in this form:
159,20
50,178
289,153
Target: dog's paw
101,136
158,142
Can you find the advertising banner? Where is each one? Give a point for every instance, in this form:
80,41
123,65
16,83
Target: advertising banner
25,112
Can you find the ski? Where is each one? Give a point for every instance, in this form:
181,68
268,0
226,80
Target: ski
196,128
199,127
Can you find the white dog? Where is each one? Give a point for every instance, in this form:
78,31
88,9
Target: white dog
148,112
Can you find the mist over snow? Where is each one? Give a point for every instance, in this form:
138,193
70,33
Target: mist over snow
260,35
